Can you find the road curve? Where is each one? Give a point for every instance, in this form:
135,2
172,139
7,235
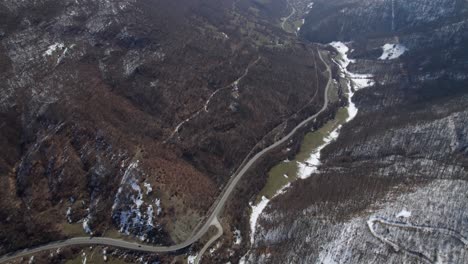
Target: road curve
424,228
217,224
285,19
220,203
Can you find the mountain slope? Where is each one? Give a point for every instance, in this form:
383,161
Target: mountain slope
94,95
403,159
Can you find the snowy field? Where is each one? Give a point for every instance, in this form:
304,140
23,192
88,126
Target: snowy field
392,51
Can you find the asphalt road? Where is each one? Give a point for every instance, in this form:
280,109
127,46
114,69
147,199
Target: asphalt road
211,241
220,203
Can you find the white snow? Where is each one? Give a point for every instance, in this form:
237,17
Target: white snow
338,250
31,260
357,81
150,213
256,211
404,214
135,186
361,80
62,56
148,187
392,51
238,237
352,109
129,207
282,190
104,254
191,259
343,50
68,214
300,26
84,258
310,166
52,48
157,202
213,249
138,200
86,226
354,235
244,258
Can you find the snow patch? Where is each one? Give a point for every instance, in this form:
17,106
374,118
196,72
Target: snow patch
243,259
343,50
129,210
150,213
356,81
84,258
359,81
104,254
68,214
256,211
310,166
404,214
191,259
392,51
237,237
309,7
52,48
352,109
148,187
86,226
212,250
157,202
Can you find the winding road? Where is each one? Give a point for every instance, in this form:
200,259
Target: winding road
212,219
285,19
424,228
211,241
